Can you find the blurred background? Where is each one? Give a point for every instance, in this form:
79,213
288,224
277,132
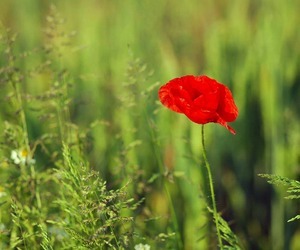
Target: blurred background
119,53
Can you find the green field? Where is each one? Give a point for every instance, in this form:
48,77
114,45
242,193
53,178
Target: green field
106,166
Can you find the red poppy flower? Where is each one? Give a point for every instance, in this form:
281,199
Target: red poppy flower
201,99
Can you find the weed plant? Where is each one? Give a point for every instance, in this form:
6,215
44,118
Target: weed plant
90,161
50,195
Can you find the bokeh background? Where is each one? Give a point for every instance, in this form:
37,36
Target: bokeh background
119,53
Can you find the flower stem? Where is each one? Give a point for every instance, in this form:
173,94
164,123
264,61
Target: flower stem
212,192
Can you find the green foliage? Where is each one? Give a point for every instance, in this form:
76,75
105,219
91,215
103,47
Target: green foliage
92,215
69,82
230,239
293,188
50,196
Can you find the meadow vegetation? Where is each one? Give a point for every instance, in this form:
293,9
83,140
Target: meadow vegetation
89,158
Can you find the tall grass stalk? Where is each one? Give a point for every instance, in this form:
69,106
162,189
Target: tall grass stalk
253,46
167,191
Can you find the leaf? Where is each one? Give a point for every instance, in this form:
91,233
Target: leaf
226,234
293,188
297,217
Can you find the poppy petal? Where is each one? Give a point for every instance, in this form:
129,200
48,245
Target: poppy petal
224,123
201,99
227,108
167,99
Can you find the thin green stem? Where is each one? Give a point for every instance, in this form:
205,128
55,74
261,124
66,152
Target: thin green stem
212,191
166,188
22,115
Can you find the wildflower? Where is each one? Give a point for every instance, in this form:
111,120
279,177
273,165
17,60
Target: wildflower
201,99
142,247
21,157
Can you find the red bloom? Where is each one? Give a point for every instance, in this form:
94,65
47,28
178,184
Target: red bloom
201,99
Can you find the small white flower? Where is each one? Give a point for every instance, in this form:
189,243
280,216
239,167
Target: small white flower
14,156
21,157
142,247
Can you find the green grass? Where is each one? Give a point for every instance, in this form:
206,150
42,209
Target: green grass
78,89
